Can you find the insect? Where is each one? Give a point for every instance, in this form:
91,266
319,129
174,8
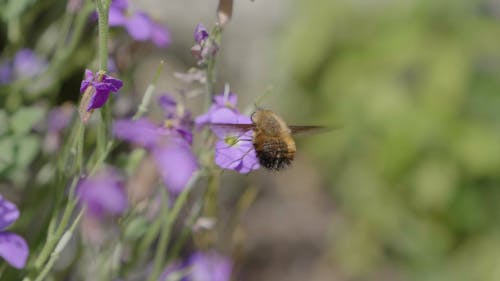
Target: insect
272,138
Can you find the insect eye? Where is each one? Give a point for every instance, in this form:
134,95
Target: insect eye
252,117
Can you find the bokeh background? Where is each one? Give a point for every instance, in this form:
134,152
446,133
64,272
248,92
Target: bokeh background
407,187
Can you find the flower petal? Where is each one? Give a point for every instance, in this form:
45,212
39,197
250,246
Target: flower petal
116,17
139,26
5,73
229,101
225,156
210,266
89,76
142,132
113,84
225,115
8,213
60,117
204,119
160,35
27,64
168,104
14,249
103,194
240,156
98,99
119,4
200,33
249,162
176,164
84,86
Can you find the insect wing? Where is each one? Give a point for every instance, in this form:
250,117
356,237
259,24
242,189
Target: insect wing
302,130
222,129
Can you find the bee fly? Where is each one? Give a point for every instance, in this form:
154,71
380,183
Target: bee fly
272,138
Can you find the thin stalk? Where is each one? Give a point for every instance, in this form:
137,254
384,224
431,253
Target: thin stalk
59,248
165,235
64,30
148,94
53,237
195,213
210,70
79,147
103,16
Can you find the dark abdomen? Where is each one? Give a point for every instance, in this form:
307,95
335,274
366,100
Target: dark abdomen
274,153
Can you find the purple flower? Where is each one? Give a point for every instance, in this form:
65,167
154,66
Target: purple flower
13,248
234,148
60,117
200,33
222,101
96,91
205,46
139,25
170,144
25,64
103,194
101,88
177,117
5,73
209,266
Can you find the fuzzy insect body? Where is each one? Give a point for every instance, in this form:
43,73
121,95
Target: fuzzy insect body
272,138
273,141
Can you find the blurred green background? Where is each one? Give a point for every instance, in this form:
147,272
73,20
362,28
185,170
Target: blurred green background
414,170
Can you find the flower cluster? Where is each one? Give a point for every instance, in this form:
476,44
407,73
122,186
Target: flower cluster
205,46
13,248
168,143
234,148
138,24
96,89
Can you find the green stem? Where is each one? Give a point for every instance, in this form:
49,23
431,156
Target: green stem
186,230
164,236
167,228
103,15
150,236
79,147
58,67
59,248
210,73
52,238
64,30
143,107
101,136
210,67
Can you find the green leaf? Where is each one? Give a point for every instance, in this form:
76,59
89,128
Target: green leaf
3,122
25,118
15,8
136,228
27,148
7,147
